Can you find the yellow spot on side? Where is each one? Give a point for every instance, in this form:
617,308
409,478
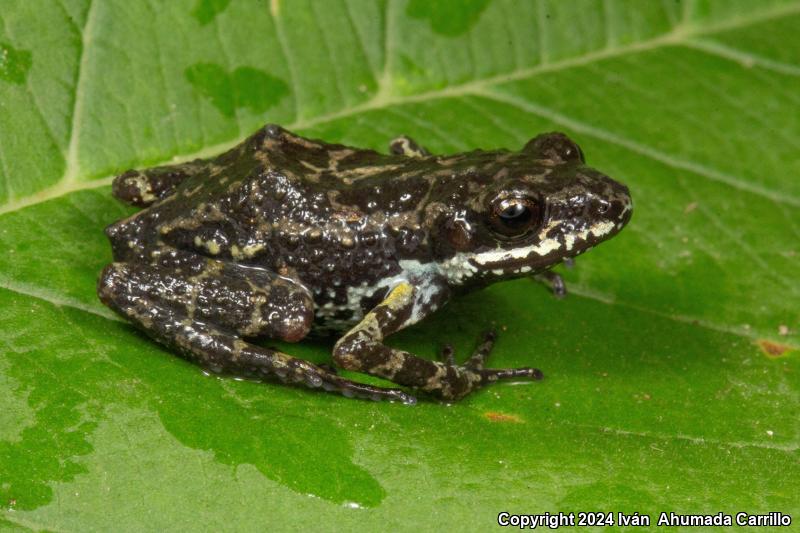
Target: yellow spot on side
398,294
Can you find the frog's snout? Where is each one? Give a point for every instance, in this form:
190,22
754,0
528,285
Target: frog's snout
621,205
614,204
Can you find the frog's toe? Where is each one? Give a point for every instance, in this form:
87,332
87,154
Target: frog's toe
457,381
447,355
354,389
554,281
460,381
482,352
490,375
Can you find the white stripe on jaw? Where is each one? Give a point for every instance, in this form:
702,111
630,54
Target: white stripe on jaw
462,265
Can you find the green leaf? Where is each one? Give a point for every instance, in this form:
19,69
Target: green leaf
671,368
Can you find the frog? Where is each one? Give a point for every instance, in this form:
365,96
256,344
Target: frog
285,237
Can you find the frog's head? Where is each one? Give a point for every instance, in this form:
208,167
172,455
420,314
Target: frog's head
538,207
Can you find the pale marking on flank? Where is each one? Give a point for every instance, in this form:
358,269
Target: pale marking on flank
211,245
249,250
72,169
458,268
416,274
679,35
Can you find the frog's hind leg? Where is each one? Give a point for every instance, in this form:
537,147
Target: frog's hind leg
143,187
362,349
408,147
203,308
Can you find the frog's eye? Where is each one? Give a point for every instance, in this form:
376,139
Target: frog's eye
555,146
512,217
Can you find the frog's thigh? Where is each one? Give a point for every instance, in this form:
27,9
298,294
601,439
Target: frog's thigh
207,338
407,146
143,187
248,302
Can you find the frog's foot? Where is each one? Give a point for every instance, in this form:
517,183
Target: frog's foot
474,366
406,146
554,281
143,187
362,349
210,305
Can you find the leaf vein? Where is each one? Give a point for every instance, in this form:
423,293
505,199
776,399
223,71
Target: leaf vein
72,169
746,59
290,64
787,448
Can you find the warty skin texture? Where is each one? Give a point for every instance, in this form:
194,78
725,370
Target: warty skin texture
282,235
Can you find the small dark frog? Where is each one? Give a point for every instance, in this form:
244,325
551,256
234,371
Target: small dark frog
282,235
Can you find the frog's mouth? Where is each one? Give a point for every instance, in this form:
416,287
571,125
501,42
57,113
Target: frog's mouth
549,250
560,239
534,258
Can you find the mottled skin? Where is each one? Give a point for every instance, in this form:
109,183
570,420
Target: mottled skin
283,235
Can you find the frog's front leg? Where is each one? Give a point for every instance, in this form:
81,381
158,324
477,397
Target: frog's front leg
143,187
554,281
362,349
203,308
408,147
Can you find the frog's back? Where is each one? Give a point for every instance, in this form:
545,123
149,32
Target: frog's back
330,215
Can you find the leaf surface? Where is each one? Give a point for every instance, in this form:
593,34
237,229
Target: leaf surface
672,366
